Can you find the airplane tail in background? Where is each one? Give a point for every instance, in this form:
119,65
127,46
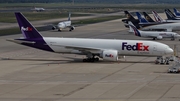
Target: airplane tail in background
129,16
148,17
28,30
177,13
141,19
171,12
134,29
157,17
169,15
69,18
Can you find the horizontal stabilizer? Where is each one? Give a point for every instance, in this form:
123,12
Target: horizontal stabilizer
20,41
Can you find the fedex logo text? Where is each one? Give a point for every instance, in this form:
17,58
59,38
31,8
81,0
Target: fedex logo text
26,29
109,55
137,47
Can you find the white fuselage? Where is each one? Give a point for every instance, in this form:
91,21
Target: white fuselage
64,24
178,21
168,27
124,47
154,34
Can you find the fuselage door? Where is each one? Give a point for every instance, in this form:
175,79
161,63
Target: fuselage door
155,48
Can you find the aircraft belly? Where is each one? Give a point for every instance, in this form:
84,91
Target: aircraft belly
136,53
68,24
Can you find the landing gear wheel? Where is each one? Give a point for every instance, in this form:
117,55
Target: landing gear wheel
59,30
84,60
172,39
156,62
91,60
96,59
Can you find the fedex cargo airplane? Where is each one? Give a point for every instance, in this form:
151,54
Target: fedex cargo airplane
153,34
64,24
107,49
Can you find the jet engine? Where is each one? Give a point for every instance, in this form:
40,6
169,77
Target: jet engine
110,55
72,28
159,37
53,28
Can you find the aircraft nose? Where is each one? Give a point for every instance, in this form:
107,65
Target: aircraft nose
169,51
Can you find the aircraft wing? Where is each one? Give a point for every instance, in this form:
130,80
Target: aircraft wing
81,48
152,36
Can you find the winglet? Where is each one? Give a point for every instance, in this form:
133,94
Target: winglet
135,30
27,29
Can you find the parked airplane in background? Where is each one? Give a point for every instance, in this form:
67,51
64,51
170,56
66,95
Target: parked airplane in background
176,12
145,25
38,9
160,19
64,24
170,15
148,18
107,49
154,34
130,18
157,17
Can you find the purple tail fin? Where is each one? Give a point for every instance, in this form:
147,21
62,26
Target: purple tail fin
28,30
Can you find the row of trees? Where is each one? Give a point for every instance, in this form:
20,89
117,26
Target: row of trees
91,1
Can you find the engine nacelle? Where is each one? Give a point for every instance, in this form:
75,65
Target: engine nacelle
72,28
53,28
159,37
110,55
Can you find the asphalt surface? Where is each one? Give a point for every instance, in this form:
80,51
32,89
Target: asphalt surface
28,74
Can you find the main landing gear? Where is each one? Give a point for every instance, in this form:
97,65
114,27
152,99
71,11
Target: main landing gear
172,39
91,58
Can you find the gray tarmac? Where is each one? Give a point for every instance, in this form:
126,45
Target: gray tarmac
28,74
